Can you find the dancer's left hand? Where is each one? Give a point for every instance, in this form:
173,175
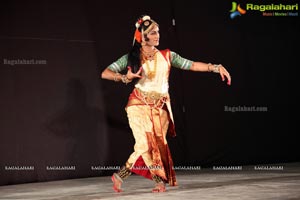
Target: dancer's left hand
225,74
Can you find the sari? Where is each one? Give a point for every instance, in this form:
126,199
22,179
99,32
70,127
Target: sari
150,118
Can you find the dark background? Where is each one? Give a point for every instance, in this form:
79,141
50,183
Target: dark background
62,114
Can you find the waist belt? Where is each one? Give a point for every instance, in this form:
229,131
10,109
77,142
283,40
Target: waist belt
152,98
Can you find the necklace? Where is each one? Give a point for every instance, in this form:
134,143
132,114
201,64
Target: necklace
151,74
148,55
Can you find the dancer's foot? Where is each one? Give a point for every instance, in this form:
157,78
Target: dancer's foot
117,182
159,187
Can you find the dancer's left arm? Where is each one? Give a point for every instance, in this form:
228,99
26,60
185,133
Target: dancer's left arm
208,67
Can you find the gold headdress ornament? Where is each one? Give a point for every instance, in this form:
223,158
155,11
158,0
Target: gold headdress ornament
143,26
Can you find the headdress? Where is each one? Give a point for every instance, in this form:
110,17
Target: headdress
143,25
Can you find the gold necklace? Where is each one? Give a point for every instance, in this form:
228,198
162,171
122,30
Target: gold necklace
148,55
151,74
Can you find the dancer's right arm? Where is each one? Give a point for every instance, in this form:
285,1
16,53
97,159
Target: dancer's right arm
115,76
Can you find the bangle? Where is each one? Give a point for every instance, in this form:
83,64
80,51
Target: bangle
216,68
208,65
116,77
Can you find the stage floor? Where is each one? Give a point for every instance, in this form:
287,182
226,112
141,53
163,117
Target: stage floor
265,183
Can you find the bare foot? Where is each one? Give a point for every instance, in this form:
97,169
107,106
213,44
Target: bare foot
117,182
159,187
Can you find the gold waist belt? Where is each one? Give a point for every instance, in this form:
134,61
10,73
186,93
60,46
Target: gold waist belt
152,98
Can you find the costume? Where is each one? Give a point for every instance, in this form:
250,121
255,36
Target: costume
150,117
149,109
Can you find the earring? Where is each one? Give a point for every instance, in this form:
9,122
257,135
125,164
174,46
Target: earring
143,43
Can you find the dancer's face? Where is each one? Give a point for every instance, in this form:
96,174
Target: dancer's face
153,37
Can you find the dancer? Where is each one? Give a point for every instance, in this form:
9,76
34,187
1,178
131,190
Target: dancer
149,109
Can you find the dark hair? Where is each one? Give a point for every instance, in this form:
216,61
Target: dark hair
134,60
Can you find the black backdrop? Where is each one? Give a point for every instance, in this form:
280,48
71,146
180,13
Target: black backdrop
60,113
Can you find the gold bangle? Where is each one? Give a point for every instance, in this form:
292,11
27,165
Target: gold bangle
116,76
209,64
216,68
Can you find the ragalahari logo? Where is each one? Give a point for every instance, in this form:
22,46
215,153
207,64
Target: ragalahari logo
236,10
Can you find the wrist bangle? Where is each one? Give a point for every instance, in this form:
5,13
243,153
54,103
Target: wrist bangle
208,65
216,68
116,77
